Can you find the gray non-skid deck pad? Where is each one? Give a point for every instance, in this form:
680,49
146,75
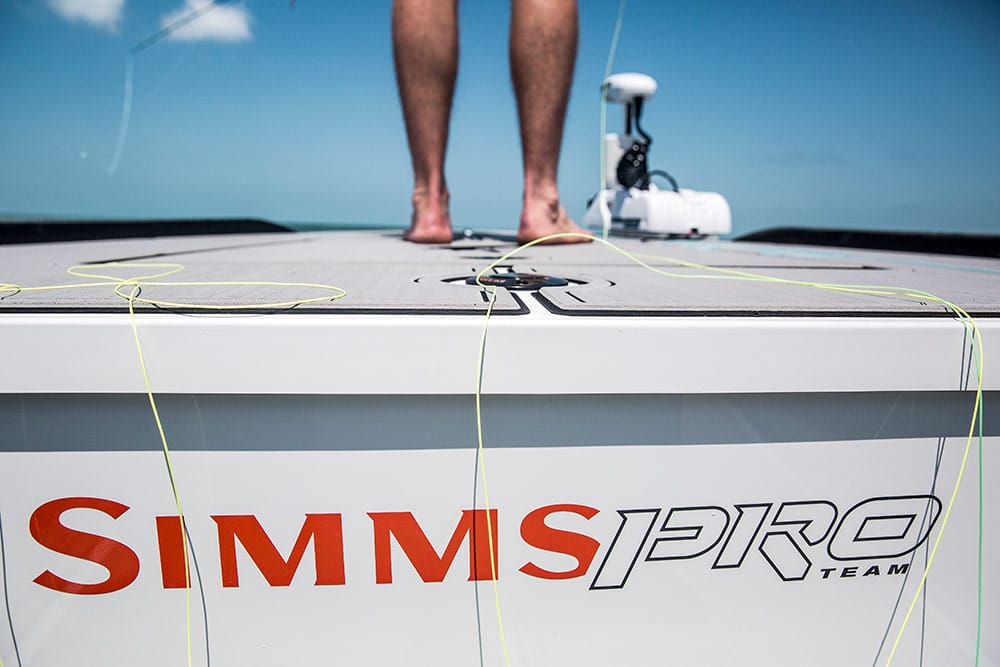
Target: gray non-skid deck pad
380,273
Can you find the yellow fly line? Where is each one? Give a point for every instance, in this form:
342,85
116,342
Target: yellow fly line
130,288
717,273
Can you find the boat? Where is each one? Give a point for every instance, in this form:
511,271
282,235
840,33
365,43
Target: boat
636,451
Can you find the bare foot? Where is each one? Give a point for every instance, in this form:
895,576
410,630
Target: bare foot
430,222
545,217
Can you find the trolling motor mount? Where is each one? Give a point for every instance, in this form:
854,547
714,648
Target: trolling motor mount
632,202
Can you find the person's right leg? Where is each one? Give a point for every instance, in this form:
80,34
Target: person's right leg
543,37
425,49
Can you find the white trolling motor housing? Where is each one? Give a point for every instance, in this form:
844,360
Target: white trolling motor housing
630,203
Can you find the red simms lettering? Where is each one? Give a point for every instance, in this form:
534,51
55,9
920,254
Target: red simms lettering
325,530
418,549
535,532
121,562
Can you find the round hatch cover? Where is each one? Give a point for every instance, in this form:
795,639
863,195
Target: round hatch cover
519,281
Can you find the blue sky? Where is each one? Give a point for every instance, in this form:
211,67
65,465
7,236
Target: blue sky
848,114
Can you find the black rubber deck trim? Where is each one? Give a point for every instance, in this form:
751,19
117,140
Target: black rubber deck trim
54,231
522,309
970,245
666,312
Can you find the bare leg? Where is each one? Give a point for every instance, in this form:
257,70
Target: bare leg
425,49
543,37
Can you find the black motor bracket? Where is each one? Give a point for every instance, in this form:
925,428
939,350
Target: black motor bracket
633,168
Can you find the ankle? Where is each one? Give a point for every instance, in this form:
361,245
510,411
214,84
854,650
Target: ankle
426,197
541,203
544,192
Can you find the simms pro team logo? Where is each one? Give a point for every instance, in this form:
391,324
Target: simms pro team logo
873,537
872,530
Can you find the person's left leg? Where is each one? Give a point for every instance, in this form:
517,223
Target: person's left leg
543,36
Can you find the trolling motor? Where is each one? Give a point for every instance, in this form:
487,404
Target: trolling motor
634,204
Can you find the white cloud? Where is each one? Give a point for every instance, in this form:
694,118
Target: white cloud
222,22
100,13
